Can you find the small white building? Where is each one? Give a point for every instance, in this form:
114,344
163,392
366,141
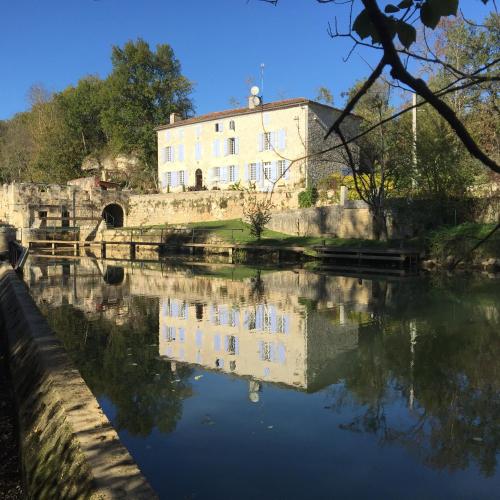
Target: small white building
264,145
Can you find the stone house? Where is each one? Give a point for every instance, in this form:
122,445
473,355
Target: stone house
268,145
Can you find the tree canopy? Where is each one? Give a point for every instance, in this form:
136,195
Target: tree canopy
98,118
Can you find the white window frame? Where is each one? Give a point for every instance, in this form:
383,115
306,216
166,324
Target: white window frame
232,125
280,169
169,178
231,146
216,173
232,173
181,177
267,170
268,141
169,154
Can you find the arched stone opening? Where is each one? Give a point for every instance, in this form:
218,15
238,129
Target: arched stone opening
114,275
113,215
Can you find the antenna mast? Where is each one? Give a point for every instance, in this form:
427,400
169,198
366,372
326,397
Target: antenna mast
262,66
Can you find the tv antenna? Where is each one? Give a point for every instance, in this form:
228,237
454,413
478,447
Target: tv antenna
262,66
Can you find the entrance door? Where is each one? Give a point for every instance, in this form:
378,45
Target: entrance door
198,180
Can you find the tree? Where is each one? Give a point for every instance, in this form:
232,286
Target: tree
384,162
141,92
325,96
397,21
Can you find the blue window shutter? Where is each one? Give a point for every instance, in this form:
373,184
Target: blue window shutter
167,135
163,155
164,180
217,342
236,173
287,169
214,148
282,139
174,179
173,153
223,174
261,142
186,182
274,140
237,145
258,171
221,127
274,172
181,152
225,147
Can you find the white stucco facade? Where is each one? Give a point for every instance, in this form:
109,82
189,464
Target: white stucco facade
265,146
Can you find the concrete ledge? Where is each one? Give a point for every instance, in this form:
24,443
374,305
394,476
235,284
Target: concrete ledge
69,448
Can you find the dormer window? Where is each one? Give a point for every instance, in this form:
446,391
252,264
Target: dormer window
232,126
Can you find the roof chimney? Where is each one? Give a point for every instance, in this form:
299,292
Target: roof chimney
175,117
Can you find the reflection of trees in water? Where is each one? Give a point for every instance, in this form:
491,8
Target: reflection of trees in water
453,372
121,363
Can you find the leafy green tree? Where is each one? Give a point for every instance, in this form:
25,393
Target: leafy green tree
142,90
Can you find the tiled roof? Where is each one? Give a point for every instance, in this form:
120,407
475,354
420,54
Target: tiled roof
286,103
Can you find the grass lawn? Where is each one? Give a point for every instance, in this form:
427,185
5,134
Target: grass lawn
241,234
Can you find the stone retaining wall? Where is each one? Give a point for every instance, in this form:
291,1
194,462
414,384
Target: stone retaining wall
350,221
69,449
197,206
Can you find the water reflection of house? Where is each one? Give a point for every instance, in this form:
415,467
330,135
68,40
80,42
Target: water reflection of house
269,340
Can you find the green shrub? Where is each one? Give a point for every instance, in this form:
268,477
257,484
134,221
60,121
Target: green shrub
308,198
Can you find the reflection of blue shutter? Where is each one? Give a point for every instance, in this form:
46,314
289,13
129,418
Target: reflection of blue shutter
212,314
259,317
199,338
235,319
281,353
261,142
274,319
226,343
246,320
181,335
286,324
272,351
164,332
217,342
236,345
282,139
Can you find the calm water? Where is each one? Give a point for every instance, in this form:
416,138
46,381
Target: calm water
234,383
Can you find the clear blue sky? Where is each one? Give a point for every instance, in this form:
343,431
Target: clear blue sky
220,43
